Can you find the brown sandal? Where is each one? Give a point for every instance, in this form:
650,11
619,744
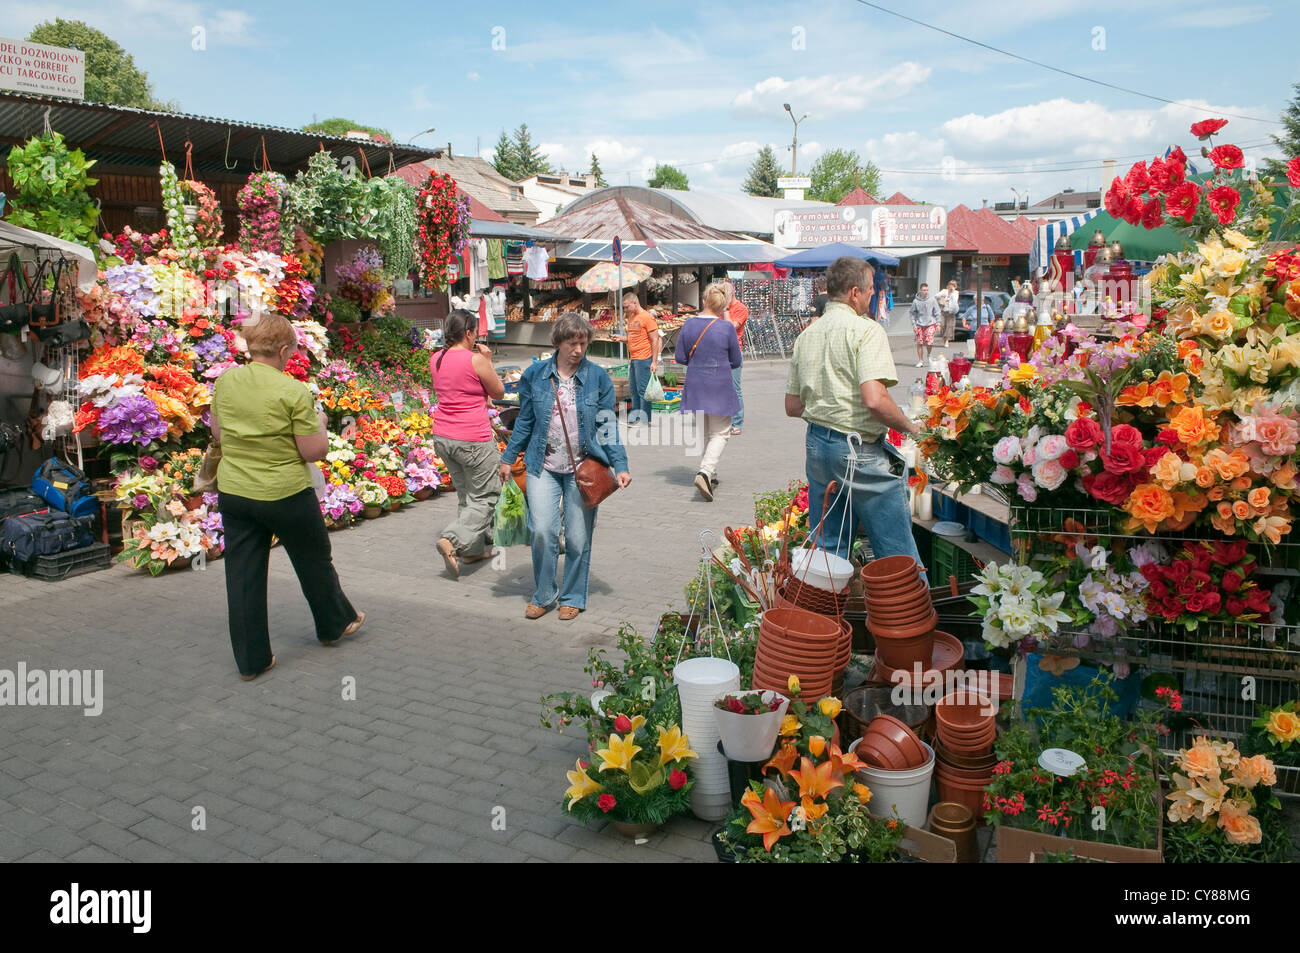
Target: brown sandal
249,678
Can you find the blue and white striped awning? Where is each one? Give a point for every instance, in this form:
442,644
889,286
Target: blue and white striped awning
1040,252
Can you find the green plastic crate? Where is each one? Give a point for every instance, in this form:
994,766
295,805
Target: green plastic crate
744,610
949,559
619,370
665,406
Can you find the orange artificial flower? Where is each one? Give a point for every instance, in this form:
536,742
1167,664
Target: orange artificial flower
1136,395
1242,483
1204,477
1272,528
1149,505
1241,510
816,780
1228,466
1168,470
845,762
769,817
1186,348
1186,509
1283,477
783,760
1192,425
1170,388
1258,497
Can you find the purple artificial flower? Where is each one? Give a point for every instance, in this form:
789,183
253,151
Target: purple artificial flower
148,464
132,419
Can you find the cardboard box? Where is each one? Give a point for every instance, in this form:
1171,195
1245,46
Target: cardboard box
1017,846
928,847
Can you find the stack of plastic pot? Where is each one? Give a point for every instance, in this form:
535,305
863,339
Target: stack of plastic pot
801,643
900,612
966,731
700,682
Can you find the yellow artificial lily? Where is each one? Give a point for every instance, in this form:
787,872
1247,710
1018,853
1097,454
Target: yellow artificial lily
580,784
769,817
674,746
830,707
783,760
816,780
618,756
1023,374
790,724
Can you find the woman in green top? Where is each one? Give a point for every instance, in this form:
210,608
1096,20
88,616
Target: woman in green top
270,432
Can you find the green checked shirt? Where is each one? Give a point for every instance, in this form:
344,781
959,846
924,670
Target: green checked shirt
833,357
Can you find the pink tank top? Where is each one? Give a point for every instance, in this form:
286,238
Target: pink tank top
462,402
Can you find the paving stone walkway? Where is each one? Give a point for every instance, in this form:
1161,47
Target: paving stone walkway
444,729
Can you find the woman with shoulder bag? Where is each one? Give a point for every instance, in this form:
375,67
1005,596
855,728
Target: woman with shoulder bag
709,348
465,382
567,429
269,430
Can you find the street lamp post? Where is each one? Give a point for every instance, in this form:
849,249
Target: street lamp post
794,147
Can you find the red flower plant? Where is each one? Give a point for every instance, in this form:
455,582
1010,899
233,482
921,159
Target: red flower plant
1171,696
622,724
1182,200
1152,216
676,779
1293,172
1226,157
1207,127
1223,203
606,802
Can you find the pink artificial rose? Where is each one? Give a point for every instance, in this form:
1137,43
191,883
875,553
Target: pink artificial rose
1049,474
1003,475
1277,435
1025,487
1052,447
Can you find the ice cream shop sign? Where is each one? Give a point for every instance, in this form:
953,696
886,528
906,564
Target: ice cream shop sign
870,226
46,70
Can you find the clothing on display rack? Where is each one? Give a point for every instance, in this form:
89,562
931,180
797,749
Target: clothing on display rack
477,252
535,261
514,258
496,259
496,301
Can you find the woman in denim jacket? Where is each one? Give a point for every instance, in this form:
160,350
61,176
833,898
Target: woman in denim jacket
586,397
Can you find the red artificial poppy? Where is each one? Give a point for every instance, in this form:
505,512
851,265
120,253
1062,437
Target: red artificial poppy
1207,127
1117,197
1137,179
1293,172
1152,214
1182,201
676,779
1223,203
1132,210
1226,157
606,802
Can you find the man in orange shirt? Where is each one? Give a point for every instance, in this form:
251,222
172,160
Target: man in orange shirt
644,344
737,314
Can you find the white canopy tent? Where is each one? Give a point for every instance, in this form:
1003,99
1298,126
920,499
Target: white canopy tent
37,246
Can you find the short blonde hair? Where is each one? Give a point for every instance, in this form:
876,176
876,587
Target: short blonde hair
265,335
716,297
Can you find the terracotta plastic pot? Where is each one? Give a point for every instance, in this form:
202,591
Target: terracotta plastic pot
810,643
972,800
792,656
986,731
845,647
965,762
889,568
907,792
902,631
946,653
901,620
905,652
893,595
884,755
959,712
864,703
982,775
973,749
799,622
886,729
966,743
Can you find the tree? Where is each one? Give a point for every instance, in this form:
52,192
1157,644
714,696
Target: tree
111,73
528,157
595,170
503,159
1289,140
669,177
834,174
763,174
341,127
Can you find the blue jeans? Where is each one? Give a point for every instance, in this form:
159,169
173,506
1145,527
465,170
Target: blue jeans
547,493
879,495
738,417
638,377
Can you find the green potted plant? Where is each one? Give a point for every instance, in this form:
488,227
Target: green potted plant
52,189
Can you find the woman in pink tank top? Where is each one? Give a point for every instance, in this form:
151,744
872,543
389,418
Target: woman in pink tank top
465,382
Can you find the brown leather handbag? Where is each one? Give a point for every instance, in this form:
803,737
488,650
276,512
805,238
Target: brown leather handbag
595,480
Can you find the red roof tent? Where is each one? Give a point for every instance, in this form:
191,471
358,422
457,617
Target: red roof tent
858,197
417,174
898,198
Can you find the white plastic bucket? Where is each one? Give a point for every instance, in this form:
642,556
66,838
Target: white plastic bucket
906,793
750,737
699,681
822,569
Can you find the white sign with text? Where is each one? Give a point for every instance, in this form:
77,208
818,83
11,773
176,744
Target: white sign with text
37,68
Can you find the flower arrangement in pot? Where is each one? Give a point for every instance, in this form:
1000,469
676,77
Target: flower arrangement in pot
374,498
808,808
260,224
639,777
748,723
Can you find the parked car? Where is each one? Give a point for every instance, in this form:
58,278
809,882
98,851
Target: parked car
998,300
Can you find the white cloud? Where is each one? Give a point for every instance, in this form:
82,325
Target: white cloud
828,95
1218,17
473,77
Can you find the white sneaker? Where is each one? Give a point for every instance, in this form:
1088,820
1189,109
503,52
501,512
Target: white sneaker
920,363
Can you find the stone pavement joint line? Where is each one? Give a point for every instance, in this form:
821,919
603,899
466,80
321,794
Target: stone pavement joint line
449,676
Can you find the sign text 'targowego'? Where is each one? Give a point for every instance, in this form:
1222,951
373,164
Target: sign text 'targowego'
47,70
868,226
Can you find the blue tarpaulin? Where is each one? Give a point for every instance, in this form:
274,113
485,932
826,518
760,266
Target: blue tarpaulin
823,255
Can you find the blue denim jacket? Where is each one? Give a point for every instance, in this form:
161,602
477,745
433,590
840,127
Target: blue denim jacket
597,417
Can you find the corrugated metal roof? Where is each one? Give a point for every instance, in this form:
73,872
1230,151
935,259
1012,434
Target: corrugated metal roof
480,228
221,148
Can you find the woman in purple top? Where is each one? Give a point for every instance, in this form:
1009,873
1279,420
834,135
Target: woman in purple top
707,345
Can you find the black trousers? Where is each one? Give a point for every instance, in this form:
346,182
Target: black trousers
249,525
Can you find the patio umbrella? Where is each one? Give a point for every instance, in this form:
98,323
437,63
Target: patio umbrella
605,276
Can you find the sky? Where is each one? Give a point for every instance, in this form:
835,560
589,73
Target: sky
701,85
